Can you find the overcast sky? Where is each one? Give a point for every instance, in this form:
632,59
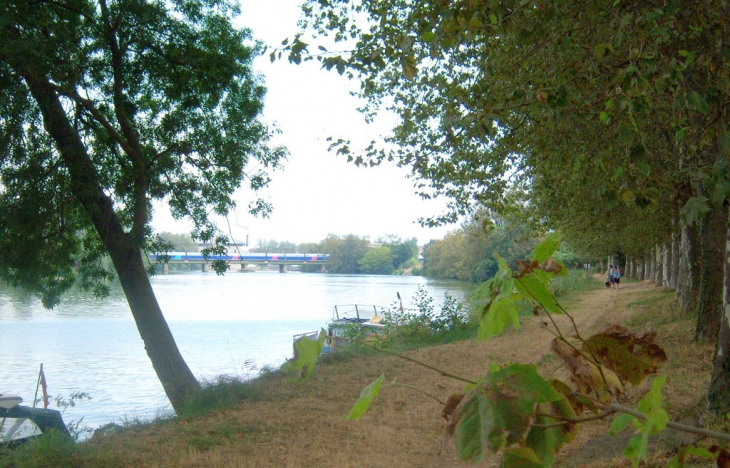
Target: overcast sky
318,193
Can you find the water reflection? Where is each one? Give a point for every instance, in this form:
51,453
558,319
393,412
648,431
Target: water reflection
18,304
222,325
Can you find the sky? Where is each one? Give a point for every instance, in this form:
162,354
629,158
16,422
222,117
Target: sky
318,193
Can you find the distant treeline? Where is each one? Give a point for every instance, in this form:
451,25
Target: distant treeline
466,253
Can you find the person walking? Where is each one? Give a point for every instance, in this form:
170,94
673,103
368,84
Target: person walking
616,277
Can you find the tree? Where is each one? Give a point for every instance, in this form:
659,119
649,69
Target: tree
344,252
403,252
377,261
496,94
107,106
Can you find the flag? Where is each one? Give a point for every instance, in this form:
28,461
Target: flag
44,388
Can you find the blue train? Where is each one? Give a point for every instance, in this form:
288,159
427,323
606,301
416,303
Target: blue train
197,257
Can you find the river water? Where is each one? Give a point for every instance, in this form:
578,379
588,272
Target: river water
233,325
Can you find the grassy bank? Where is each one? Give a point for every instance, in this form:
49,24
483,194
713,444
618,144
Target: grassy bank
276,422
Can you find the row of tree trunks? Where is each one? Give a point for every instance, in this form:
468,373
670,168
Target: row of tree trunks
696,263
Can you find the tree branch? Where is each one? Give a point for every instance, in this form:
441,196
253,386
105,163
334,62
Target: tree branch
98,116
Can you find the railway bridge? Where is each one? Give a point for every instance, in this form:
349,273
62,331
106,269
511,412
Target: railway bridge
283,260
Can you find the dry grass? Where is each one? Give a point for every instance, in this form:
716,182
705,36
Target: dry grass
301,424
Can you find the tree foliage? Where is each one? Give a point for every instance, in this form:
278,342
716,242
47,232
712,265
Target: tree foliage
468,253
344,252
377,261
605,115
107,107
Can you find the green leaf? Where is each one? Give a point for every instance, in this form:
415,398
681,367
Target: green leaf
624,133
409,67
696,451
674,463
603,116
306,352
656,420
724,144
367,395
698,102
722,190
695,209
535,290
546,248
502,312
498,411
619,423
521,457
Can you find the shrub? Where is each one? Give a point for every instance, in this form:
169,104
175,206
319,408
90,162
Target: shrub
421,323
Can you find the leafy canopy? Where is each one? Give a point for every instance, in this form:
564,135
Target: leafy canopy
157,100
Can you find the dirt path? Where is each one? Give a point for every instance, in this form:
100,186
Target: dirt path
591,311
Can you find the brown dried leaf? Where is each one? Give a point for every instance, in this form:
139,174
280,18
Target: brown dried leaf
525,267
551,266
579,403
451,405
587,376
723,456
632,356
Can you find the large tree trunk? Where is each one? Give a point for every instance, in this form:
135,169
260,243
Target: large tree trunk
713,231
688,284
674,269
658,267
177,379
648,265
667,262
718,395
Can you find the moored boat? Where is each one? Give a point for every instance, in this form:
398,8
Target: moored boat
20,424
351,321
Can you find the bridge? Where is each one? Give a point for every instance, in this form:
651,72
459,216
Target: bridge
246,258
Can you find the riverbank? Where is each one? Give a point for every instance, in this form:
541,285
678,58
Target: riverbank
301,424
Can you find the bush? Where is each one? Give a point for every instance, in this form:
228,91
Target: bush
421,323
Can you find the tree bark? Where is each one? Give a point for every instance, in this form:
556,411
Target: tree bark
713,229
674,269
718,395
177,380
648,265
688,284
658,267
667,263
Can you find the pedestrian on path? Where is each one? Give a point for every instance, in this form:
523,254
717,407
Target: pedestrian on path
616,277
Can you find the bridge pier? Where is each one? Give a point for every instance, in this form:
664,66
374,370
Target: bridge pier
283,268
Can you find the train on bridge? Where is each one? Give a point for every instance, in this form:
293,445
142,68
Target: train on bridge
246,257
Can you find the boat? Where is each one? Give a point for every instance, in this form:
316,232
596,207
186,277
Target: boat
19,424
351,321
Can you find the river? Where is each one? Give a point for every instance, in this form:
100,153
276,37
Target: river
233,325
